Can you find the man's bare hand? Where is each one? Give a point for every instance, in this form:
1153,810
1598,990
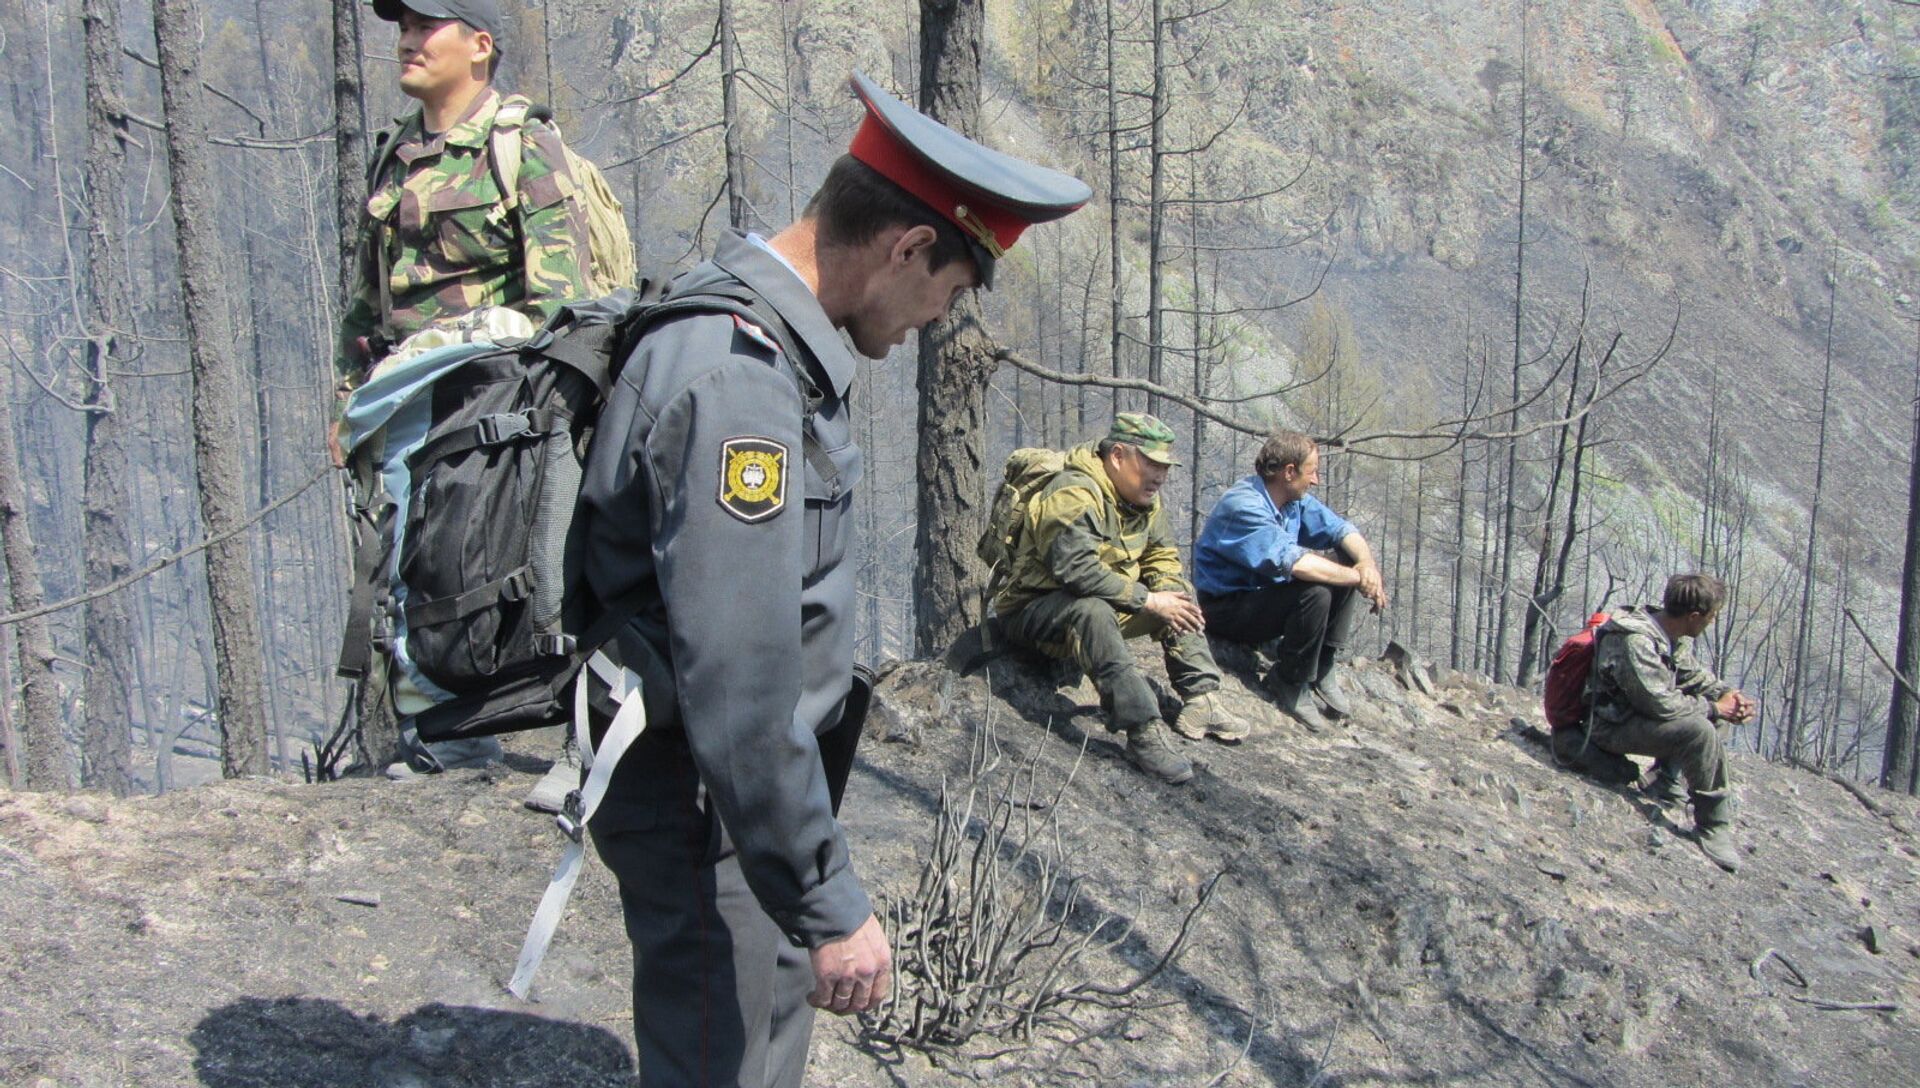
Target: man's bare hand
1372,586
853,973
1176,610
1736,707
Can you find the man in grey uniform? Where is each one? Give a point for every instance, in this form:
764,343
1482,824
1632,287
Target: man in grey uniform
718,497
1652,697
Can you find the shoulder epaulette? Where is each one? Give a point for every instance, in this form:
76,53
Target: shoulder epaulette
756,334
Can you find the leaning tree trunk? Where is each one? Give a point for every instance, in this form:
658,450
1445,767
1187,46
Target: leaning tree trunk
1899,766
349,137
106,756
43,764
379,729
956,363
240,698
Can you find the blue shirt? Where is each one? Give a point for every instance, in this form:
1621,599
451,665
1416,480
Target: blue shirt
1249,543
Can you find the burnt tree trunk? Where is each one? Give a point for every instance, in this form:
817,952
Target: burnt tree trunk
1899,767
349,137
105,745
42,759
730,116
240,697
956,363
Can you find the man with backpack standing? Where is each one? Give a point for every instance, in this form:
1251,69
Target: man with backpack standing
440,240
1650,697
1260,580
717,507
1094,565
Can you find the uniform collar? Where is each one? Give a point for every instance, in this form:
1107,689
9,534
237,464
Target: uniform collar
774,280
473,126
471,130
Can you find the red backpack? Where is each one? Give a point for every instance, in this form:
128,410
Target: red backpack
1566,696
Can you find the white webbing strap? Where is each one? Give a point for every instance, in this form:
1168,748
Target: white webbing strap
628,723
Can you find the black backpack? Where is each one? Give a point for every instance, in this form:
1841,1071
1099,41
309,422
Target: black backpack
468,464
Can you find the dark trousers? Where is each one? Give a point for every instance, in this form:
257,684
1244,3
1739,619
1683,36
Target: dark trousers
1309,623
1092,635
719,993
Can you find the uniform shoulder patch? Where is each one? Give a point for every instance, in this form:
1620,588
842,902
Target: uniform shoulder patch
753,477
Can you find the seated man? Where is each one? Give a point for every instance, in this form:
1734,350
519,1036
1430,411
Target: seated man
1095,565
1260,580
1651,698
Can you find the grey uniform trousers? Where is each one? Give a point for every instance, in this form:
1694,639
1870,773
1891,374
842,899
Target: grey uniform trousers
719,993
1690,743
1089,633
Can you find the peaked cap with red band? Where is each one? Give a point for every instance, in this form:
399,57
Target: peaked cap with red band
990,196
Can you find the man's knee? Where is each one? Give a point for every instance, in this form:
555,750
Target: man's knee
1313,605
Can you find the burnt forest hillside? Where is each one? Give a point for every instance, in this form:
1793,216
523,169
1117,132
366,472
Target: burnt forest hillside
1368,221
1418,898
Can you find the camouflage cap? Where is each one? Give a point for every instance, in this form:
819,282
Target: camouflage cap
478,14
1145,433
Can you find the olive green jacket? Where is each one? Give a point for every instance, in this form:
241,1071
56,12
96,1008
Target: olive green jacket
1081,538
1638,670
449,244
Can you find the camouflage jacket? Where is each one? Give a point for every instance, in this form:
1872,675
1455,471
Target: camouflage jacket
1081,538
449,243
1638,670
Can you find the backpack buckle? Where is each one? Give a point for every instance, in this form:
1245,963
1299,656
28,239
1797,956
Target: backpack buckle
506,427
517,586
569,819
555,645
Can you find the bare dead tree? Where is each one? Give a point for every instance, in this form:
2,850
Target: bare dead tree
957,362
1796,708
216,382
106,746
1899,764
43,760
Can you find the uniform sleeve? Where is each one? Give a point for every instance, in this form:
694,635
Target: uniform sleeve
1160,561
1320,527
732,591
553,227
1633,667
1065,523
1694,678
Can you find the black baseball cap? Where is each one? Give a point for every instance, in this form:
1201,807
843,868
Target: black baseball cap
478,14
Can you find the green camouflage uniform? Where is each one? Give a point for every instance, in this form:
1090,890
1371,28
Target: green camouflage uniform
1651,697
1081,574
451,245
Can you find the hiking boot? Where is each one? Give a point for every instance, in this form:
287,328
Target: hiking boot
1665,788
1203,716
1292,697
1333,694
1713,829
1149,749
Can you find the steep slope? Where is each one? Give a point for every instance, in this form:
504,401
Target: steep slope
1419,897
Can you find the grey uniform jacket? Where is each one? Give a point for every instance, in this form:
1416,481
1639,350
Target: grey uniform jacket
1638,670
747,643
